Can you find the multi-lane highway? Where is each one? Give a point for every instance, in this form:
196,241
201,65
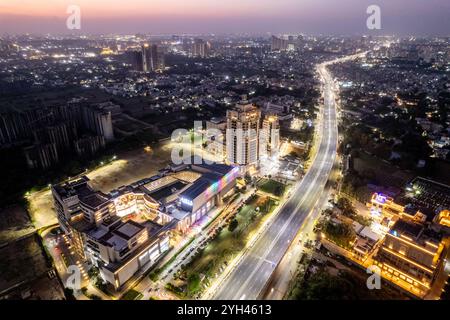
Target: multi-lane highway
249,277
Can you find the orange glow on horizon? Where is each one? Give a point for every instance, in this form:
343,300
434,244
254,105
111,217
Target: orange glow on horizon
136,8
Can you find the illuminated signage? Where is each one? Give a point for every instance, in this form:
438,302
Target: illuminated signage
380,198
186,202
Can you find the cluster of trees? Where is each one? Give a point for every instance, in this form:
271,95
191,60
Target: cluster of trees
325,286
348,210
346,206
340,233
412,147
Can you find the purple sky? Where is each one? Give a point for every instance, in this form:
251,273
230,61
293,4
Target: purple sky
404,17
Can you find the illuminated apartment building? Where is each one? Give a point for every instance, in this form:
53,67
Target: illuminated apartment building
269,142
279,44
412,254
242,136
444,218
201,48
441,222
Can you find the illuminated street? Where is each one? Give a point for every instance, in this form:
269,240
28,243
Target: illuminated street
250,276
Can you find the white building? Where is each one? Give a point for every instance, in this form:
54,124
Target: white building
125,231
98,119
215,136
121,249
242,136
269,142
66,198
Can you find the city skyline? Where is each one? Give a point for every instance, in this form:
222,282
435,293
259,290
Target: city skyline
202,16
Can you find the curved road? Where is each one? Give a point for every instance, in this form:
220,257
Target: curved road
251,274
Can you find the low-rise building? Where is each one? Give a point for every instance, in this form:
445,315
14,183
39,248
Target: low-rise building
121,249
422,200
412,253
382,206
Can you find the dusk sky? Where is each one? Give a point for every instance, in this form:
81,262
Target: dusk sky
405,17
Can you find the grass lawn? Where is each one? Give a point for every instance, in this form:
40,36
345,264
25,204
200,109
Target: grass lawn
210,261
132,295
273,187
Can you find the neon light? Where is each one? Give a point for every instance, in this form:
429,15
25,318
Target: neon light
380,198
218,186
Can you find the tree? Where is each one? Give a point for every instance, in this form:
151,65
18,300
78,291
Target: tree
346,207
279,190
193,283
325,286
233,225
93,272
342,234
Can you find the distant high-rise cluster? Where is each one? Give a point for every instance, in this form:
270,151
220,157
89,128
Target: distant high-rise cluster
51,132
281,44
201,48
150,57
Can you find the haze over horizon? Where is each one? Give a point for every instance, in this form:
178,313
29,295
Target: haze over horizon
402,17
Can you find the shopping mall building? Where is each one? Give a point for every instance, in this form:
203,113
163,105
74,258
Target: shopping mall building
126,230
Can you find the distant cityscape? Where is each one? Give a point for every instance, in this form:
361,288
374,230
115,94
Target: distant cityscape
318,162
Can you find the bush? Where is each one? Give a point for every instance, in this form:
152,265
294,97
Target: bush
173,288
93,272
69,294
346,207
99,284
193,284
233,225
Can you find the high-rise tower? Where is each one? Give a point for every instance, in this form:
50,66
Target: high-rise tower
242,135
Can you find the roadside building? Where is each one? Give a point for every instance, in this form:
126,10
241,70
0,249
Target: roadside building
412,253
